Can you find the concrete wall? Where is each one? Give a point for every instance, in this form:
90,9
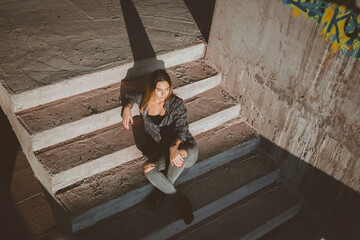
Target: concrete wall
308,108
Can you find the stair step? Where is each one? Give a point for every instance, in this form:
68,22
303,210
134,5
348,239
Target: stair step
209,189
103,194
102,78
95,122
76,107
107,148
249,219
298,228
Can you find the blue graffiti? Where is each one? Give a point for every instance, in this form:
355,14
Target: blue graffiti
313,9
347,36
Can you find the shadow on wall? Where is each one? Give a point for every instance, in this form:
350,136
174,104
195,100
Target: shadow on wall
202,12
322,197
11,224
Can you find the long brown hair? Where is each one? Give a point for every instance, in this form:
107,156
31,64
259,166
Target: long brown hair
157,76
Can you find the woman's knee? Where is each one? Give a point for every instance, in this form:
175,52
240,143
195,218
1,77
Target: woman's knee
192,155
183,153
148,167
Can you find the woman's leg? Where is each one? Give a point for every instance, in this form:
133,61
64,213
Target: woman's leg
152,171
192,155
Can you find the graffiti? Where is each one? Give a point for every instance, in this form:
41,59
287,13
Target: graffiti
340,25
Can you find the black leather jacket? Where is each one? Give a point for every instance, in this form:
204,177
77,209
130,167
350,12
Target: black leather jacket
174,122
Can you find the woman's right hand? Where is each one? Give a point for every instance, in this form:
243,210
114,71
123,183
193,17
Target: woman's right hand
127,117
176,158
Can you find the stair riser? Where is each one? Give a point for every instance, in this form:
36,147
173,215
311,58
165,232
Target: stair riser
271,225
214,121
99,79
134,197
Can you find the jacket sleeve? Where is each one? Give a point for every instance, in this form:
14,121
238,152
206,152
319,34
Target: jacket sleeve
133,97
181,125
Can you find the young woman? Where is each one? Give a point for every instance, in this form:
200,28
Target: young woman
169,144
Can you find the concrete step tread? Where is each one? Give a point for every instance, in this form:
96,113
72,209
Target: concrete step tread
298,228
105,141
118,181
76,107
108,34
244,219
138,221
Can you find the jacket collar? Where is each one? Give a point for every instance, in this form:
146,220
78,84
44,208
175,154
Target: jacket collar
166,105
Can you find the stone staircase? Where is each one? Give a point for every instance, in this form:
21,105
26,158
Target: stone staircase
92,167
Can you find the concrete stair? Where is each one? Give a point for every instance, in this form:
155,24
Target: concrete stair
241,192
109,192
103,141
297,228
52,115
249,218
91,166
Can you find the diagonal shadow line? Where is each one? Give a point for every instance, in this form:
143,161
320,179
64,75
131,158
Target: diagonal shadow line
139,41
11,221
202,12
327,203
145,61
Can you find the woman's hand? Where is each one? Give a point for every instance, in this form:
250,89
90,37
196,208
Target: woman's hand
127,117
175,157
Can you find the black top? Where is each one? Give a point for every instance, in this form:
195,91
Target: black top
156,118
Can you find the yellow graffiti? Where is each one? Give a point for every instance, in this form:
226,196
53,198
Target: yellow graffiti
329,14
328,59
335,19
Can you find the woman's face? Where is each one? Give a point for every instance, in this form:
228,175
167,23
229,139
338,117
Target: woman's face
161,91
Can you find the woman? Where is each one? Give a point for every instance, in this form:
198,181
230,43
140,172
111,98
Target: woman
169,144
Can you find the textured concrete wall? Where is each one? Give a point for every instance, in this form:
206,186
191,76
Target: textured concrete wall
273,63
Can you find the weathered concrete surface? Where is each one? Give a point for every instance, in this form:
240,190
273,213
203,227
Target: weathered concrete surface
139,221
23,176
136,196
297,228
108,118
104,163
45,47
37,214
100,100
78,151
46,42
244,217
294,92
111,184
273,63
29,199
222,179
67,155
21,194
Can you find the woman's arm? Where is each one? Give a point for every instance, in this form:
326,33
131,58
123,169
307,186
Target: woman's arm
127,116
130,99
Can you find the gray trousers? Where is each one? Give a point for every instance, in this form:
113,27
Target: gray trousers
163,175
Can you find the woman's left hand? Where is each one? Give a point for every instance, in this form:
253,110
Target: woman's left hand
176,158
